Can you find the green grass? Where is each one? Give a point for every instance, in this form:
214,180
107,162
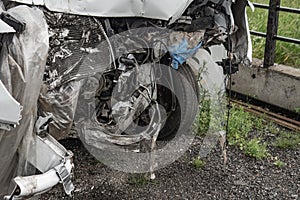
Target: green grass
248,132
241,125
287,139
198,163
286,53
255,148
204,117
279,164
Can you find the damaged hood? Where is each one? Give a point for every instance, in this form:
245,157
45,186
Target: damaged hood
155,9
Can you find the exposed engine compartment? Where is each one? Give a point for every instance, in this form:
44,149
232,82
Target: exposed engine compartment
75,42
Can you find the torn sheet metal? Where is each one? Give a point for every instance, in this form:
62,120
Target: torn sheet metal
17,24
156,9
22,64
10,109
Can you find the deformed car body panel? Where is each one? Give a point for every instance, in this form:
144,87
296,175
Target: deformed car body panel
155,9
168,10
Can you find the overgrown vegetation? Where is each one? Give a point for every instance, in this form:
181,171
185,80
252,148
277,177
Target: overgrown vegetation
287,139
241,125
286,53
249,132
255,148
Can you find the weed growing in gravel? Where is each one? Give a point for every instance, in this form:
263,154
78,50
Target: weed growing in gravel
139,180
241,124
246,132
204,117
198,163
255,148
272,128
287,139
279,163
211,115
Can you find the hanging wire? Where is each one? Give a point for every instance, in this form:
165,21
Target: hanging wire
112,52
229,81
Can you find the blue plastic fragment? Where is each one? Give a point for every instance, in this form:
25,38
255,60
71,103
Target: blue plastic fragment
180,53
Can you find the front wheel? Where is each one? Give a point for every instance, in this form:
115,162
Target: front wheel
179,96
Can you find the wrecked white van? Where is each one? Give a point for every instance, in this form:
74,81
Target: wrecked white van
115,73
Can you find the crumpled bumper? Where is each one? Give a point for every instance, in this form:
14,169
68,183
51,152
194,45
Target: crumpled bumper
55,163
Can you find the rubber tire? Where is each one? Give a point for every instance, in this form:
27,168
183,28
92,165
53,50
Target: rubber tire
183,115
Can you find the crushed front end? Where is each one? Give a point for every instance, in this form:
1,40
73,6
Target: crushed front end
93,70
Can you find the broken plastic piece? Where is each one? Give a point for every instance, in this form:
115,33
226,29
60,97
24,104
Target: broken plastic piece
54,161
180,53
5,28
10,109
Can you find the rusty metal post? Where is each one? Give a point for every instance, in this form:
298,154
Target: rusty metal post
272,30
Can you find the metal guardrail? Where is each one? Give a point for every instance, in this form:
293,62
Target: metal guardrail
272,30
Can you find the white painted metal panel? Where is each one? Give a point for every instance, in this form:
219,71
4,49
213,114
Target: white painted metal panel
156,9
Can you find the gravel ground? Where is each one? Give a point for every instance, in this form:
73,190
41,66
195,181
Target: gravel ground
242,178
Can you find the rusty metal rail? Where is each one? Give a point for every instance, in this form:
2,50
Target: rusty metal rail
266,114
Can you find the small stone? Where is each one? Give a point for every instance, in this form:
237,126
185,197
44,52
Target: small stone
295,196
